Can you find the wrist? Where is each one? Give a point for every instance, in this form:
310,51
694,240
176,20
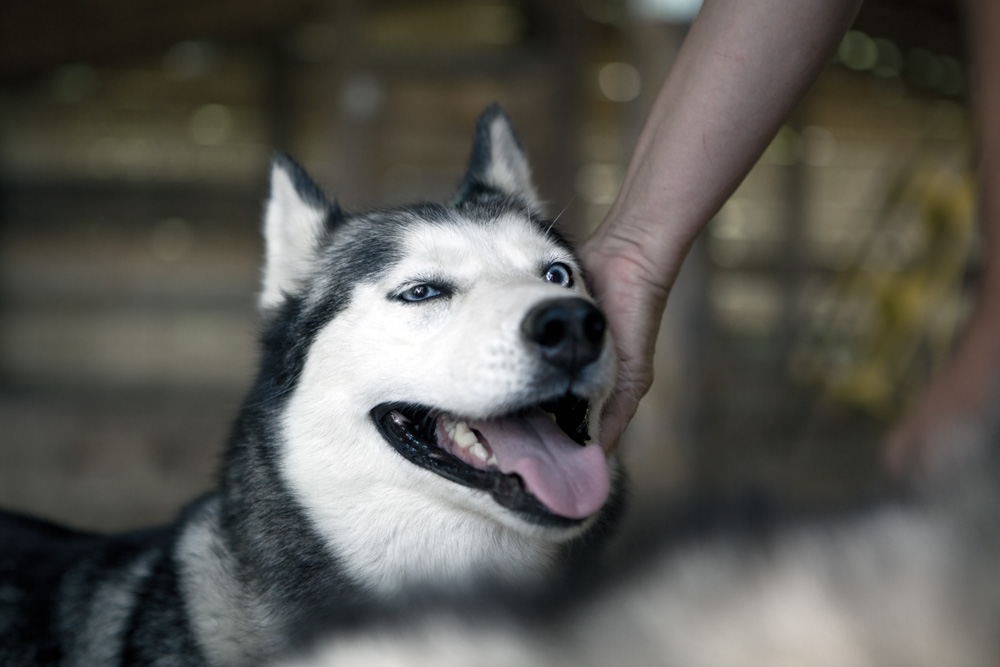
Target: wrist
645,245
630,285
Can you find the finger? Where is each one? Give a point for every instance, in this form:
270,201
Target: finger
615,418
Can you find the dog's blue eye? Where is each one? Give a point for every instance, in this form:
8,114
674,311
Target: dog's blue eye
420,292
560,274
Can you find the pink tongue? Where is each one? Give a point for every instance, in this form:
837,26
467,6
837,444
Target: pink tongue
570,480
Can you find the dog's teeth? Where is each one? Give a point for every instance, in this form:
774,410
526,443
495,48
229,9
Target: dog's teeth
492,460
459,432
449,426
463,436
479,451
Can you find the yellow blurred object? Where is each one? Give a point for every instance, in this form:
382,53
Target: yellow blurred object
868,385
910,275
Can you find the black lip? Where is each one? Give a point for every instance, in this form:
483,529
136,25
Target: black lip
419,447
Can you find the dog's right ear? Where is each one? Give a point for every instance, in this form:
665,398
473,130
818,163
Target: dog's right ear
498,164
296,217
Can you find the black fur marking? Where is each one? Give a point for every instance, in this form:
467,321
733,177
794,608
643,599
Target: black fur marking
346,258
307,190
49,580
556,236
160,625
34,555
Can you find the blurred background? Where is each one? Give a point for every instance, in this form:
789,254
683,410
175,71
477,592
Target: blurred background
135,137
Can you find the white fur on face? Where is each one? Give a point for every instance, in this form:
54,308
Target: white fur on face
392,522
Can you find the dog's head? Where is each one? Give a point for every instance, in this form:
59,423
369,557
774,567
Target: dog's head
444,363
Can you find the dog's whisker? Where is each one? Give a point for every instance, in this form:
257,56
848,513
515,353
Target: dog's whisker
556,218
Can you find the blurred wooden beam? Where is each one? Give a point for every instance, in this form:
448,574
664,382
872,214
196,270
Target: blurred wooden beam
38,34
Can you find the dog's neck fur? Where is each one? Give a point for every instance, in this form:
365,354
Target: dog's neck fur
264,551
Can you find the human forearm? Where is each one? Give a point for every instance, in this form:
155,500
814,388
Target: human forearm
977,357
965,393
743,67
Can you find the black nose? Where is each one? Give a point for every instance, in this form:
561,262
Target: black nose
569,331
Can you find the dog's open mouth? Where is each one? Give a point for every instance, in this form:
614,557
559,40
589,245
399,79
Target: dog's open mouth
535,462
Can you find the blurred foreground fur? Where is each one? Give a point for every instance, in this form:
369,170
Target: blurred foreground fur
913,582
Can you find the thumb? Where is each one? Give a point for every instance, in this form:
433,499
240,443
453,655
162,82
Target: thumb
615,417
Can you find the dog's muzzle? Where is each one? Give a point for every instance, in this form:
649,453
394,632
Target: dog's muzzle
533,457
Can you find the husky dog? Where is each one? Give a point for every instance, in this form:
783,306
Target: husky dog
429,381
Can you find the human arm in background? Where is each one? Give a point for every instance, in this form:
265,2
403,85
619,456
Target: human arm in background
742,68
966,388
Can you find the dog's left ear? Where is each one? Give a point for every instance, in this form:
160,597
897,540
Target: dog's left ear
498,164
297,216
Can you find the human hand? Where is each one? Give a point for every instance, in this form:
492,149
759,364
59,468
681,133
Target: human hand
633,297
